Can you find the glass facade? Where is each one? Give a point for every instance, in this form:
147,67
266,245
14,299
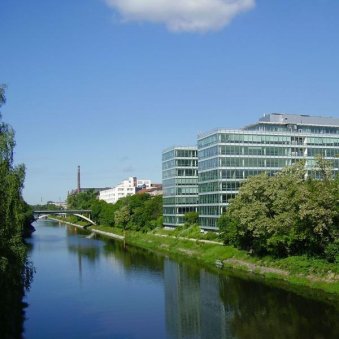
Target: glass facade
180,184
227,157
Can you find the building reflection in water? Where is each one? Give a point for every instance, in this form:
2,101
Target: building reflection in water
83,247
199,304
193,305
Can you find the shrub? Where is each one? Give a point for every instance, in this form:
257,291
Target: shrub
332,252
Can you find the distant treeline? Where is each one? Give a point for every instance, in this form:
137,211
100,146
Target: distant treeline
286,214
140,212
46,207
15,218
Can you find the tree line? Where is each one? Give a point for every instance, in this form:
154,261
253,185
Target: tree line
139,212
290,213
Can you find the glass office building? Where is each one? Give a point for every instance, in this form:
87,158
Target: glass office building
227,157
180,184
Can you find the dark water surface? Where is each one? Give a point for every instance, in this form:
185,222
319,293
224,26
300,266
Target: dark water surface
90,288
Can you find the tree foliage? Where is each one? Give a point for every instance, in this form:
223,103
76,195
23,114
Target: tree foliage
139,212
46,207
286,214
191,218
82,200
15,215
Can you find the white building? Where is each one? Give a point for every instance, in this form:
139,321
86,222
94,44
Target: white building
124,189
144,183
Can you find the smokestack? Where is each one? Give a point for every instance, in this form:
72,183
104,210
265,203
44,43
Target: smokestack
78,189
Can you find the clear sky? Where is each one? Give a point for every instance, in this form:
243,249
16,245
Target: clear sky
109,84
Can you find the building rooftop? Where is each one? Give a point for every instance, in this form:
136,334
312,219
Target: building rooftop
285,120
282,118
171,148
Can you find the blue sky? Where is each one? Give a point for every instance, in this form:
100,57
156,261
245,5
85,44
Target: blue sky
107,86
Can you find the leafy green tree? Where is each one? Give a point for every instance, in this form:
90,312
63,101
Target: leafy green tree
149,215
15,215
122,217
136,200
153,207
100,213
191,218
228,230
82,200
13,209
285,214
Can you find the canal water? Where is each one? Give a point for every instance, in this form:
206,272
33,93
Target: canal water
94,288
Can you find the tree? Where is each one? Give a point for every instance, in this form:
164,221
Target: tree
148,215
15,214
285,214
82,200
15,270
191,218
122,217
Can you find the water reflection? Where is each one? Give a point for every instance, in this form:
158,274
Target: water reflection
193,305
200,304
12,308
78,243
134,259
134,293
203,305
260,311
15,280
85,248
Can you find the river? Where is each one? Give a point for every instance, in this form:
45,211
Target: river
94,288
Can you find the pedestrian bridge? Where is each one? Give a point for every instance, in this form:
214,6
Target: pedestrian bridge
83,214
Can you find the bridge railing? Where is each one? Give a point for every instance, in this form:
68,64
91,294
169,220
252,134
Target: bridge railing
61,211
77,213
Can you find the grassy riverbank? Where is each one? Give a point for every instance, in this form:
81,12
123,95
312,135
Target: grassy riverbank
296,270
299,271
294,273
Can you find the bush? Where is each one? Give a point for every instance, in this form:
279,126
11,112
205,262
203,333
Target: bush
228,230
191,218
332,252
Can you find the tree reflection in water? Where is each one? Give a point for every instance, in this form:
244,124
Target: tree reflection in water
13,285
200,304
12,307
261,311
